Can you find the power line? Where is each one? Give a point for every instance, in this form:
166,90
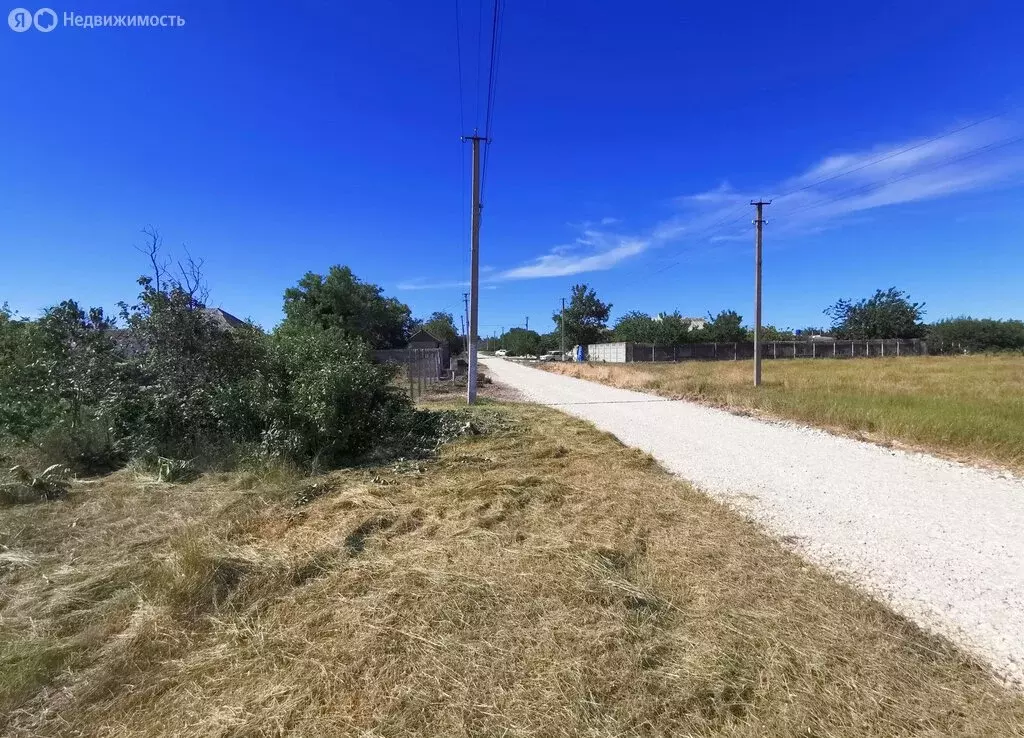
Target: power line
479,41
889,156
497,24
878,186
458,53
492,67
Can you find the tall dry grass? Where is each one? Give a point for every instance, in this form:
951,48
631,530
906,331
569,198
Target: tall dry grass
966,407
539,579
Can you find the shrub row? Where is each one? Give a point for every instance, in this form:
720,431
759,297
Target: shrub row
173,382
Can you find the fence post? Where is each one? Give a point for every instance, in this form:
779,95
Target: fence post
775,349
897,347
735,351
714,350
835,352
653,345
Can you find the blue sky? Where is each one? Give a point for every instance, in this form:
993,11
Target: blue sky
275,139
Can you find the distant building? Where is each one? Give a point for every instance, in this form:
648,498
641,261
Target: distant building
423,339
224,320
221,319
695,324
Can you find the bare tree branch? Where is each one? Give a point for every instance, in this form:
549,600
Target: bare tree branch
191,277
187,274
151,249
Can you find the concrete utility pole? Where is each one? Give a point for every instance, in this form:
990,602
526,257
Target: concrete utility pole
527,322
562,326
474,283
759,224
465,321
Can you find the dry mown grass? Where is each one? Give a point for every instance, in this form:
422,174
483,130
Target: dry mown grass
537,580
966,407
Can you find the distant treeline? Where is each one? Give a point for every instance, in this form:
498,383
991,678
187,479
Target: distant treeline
887,314
975,335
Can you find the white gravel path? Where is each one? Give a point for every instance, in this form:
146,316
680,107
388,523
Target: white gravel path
942,543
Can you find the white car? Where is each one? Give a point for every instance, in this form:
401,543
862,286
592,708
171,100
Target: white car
501,352
553,356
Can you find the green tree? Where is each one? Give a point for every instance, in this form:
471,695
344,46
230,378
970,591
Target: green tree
344,302
634,326
725,327
586,317
522,342
886,314
671,329
665,329
771,333
178,394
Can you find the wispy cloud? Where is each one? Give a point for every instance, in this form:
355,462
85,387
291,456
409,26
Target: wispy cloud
587,224
841,185
824,196
566,260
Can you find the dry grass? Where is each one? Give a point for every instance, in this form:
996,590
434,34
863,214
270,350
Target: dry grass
539,579
969,408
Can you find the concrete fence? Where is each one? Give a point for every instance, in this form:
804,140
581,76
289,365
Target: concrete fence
625,352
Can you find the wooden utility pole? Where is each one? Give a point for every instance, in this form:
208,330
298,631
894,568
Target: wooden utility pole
562,325
527,322
474,281
759,227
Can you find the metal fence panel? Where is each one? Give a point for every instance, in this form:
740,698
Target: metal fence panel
422,367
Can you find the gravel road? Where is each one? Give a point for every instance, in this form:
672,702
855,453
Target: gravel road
942,543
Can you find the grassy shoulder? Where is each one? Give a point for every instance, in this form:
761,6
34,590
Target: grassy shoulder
538,578
966,407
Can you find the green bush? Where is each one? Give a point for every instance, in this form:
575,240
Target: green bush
334,403
176,385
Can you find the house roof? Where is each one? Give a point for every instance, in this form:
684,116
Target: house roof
223,318
423,334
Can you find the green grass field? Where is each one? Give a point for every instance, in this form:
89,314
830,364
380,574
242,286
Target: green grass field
966,407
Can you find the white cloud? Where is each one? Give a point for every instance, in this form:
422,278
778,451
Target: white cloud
825,195
559,263
586,224
841,185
